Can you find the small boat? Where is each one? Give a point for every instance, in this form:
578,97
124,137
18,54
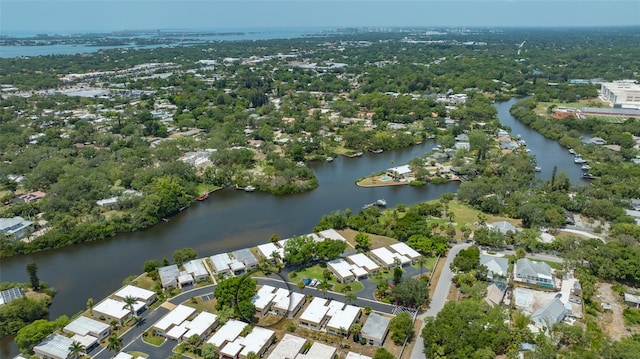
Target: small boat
585,167
249,189
381,202
300,164
579,160
589,176
519,136
329,159
202,197
436,148
571,151
538,169
358,154
379,150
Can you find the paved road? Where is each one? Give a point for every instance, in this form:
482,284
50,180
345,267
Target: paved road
439,297
583,232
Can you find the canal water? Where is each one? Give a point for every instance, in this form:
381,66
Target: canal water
232,219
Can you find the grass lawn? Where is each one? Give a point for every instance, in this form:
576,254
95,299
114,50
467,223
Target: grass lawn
316,272
376,240
343,287
153,339
200,305
138,354
467,215
430,263
145,282
204,187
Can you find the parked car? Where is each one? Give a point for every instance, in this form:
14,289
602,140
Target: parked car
306,281
314,283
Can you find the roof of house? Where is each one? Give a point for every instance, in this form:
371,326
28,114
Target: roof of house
13,225
631,298
245,256
315,312
403,249
168,274
256,340
267,250
288,347
496,265
175,317
526,267
136,292
375,327
289,302
332,234
400,170
341,267
114,308
551,314
55,345
263,297
85,325
344,317
494,295
360,259
388,257
184,277
220,262
318,351
504,227
227,333
196,268
200,324
352,355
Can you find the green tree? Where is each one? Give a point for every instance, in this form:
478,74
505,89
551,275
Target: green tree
90,305
209,351
114,343
32,269
129,301
34,333
411,292
382,353
401,328
76,349
363,241
184,255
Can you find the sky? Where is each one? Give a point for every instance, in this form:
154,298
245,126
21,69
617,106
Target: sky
73,16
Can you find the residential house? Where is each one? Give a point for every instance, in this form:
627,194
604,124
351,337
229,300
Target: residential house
632,300
504,227
245,256
220,263
87,326
551,314
288,347
227,333
262,299
173,319
361,260
497,267
55,346
342,270
399,173
140,294
16,227
495,294
288,305
375,329
319,351
341,320
388,259
169,276
536,273
404,250
115,310
9,295
197,269
352,355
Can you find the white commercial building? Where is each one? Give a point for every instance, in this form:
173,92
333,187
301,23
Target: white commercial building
621,94
141,294
174,318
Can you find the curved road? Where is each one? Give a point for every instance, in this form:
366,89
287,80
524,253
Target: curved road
439,297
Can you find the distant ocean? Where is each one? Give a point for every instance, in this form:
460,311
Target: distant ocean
202,35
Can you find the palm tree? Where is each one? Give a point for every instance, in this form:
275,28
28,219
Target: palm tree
129,301
356,329
350,297
75,349
115,343
324,286
421,261
90,304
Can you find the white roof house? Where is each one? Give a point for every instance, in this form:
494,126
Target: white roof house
332,234
504,227
185,278
197,269
343,318
232,349
140,294
237,267
352,355
257,341
245,256
267,249
288,305
15,226
400,171
87,326
387,258
359,272
169,276
115,309
403,249
227,333
221,263
334,307
363,261
375,329
262,299
314,315
319,351
342,270
201,324
176,332
175,317
288,347
55,346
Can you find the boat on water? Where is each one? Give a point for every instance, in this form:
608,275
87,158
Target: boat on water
202,197
368,205
358,154
249,189
571,151
379,150
579,160
585,167
589,176
300,164
329,159
537,169
381,202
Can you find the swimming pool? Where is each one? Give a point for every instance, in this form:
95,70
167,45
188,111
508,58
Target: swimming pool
385,178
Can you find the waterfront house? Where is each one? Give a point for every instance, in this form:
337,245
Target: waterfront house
267,250
169,276
86,326
536,273
9,295
197,269
115,310
399,173
142,295
375,329
55,346
16,227
247,258
220,263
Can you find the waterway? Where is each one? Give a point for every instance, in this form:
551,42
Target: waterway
232,219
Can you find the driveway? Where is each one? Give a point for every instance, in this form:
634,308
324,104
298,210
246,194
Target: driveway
439,297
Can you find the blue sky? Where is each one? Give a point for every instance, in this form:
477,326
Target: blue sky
67,16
